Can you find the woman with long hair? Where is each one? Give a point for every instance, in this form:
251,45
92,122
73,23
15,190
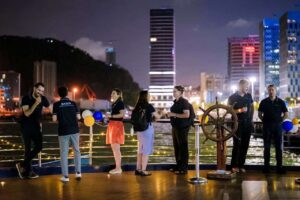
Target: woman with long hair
115,129
146,137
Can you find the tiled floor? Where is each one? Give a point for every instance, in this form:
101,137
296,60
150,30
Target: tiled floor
161,185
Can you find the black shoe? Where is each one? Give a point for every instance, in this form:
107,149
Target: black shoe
174,169
266,170
20,170
32,175
181,172
145,173
280,170
137,172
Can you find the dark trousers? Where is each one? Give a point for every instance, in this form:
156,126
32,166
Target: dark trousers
180,142
31,134
272,130
241,144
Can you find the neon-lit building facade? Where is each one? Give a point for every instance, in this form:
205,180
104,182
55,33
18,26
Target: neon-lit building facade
243,60
162,57
269,56
289,54
9,90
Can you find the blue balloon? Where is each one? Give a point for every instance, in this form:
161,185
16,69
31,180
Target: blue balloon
287,126
98,115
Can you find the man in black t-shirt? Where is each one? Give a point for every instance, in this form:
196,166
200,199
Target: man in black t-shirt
32,106
242,103
67,114
272,111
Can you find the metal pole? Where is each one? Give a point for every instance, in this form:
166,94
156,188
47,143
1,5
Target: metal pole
40,153
252,89
197,131
197,179
91,146
40,159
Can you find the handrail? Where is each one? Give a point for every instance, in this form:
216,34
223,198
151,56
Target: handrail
92,146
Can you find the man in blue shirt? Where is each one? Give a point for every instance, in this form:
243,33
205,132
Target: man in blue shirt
242,103
67,114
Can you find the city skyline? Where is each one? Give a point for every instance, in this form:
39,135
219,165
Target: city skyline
201,34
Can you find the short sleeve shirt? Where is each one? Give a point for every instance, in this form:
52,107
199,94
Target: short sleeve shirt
116,108
36,116
178,107
149,110
238,101
272,110
66,112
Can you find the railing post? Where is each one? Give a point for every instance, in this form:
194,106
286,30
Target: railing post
91,146
197,179
40,153
40,159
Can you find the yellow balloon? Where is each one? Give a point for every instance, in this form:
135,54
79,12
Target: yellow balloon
295,121
89,121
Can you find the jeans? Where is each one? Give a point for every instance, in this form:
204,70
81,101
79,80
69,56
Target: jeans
272,130
180,142
64,151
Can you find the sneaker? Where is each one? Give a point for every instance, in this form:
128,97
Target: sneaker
242,170
32,175
235,170
20,170
145,173
78,176
115,171
64,179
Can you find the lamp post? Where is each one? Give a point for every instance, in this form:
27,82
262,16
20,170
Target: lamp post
252,81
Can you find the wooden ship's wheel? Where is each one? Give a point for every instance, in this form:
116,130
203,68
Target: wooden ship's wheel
219,123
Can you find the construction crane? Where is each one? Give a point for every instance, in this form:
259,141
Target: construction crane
91,95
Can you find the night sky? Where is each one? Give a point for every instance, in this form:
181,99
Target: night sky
202,28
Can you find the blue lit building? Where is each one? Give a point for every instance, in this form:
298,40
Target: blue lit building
289,54
269,57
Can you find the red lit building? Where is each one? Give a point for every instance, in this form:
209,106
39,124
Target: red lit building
243,60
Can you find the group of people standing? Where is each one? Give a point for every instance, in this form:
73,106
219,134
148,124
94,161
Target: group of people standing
67,114
272,111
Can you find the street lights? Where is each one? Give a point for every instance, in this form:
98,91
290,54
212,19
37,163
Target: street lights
252,81
220,94
74,92
233,88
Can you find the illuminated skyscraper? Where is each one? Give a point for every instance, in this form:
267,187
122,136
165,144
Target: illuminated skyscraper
289,54
269,55
162,57
243,60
